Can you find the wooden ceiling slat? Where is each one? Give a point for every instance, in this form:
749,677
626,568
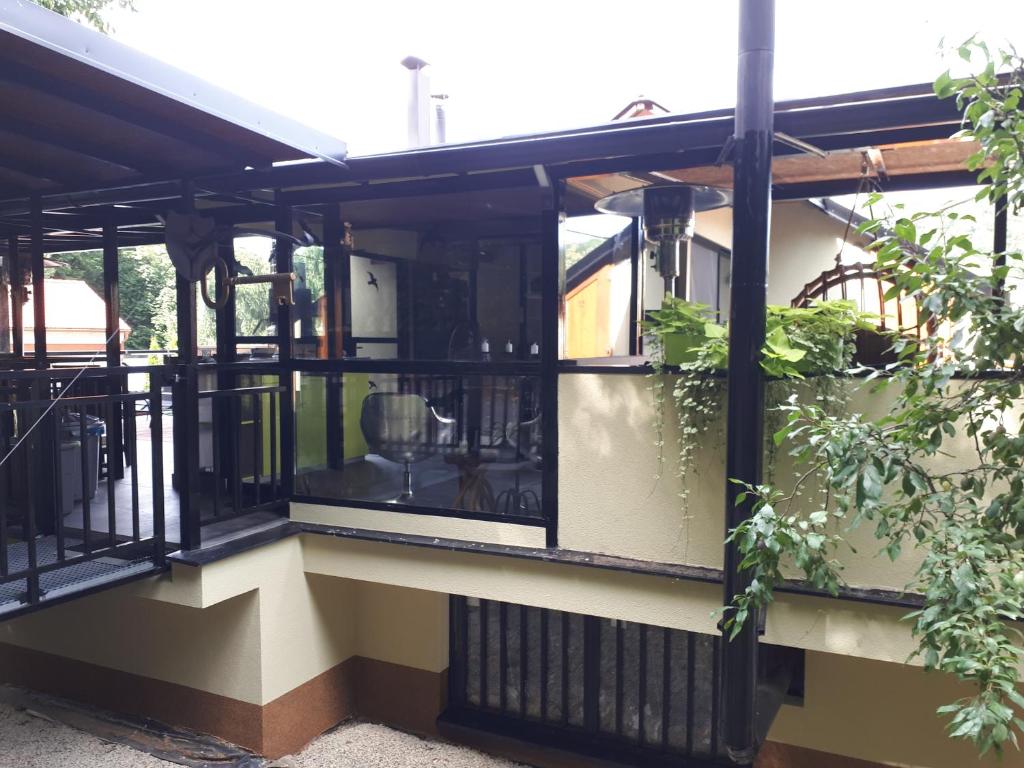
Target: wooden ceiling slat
919,157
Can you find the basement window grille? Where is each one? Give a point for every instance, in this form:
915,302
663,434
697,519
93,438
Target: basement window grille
617,686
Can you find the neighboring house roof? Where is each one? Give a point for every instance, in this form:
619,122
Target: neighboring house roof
71,305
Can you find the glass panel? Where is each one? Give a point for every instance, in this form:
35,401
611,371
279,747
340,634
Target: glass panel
446,292
309,315
596,283
469,443
255,314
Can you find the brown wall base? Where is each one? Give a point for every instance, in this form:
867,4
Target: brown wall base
776,755
404,697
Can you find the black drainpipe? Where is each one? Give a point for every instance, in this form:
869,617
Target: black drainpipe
751,213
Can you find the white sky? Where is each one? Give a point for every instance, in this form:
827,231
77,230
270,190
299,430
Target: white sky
533,65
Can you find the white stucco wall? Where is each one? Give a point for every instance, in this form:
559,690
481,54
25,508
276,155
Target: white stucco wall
610,501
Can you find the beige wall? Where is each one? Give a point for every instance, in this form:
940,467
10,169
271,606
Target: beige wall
715,225
215,650
251,627
610,501
881,712
803,622
318,600
401,626
804,243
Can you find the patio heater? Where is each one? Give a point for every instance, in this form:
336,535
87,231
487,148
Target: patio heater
668,212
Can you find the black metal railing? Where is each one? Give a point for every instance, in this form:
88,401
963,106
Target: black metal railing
240,454
621,688
62,526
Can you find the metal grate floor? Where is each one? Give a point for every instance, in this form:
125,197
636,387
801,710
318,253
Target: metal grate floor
74,577
46,552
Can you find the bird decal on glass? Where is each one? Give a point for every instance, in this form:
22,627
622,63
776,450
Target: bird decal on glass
373,280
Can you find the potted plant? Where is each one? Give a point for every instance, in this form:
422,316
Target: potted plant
816,342
680,329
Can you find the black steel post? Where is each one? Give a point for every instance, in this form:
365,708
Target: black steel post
999,246
745,427
550,320
186,408
335,253
283,265
156,433
16,280
227,352
38,285
226,330
636,300
112,304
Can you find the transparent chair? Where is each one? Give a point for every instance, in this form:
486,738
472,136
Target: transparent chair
405,429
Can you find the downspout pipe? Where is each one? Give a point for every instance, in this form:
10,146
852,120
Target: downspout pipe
745,423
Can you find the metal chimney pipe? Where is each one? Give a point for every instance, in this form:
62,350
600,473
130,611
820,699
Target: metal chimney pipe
440,118
745,423
419,101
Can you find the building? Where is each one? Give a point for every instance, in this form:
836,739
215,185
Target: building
76,321
419,509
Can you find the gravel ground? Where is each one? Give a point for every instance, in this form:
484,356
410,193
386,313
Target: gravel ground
30,741
27,741
364,745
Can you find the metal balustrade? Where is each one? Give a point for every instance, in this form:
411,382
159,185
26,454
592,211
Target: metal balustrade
63,528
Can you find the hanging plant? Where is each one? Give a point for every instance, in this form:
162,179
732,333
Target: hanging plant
691,354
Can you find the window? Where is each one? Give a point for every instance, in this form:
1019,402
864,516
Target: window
436,404
468,443
610,277
597,275
445,293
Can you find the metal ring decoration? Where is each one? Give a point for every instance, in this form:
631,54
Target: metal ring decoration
221,268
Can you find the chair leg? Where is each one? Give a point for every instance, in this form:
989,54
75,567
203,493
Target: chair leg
406,483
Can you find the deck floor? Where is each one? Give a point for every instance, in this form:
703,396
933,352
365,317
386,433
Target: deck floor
74,577
86,575
122,489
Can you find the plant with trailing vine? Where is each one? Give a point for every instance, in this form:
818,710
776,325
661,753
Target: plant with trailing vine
955,394
816,343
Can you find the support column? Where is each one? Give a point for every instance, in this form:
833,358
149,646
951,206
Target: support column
112,302
999,245
636,304
745,427
335,253
227,352
6,337
38,285
17,295
283,265
550,324
186,407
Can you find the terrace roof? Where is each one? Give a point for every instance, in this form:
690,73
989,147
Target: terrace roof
117,128
84,111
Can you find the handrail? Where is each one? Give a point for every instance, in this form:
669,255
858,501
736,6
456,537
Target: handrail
423,367
242,391
244,366
86,372
79,400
